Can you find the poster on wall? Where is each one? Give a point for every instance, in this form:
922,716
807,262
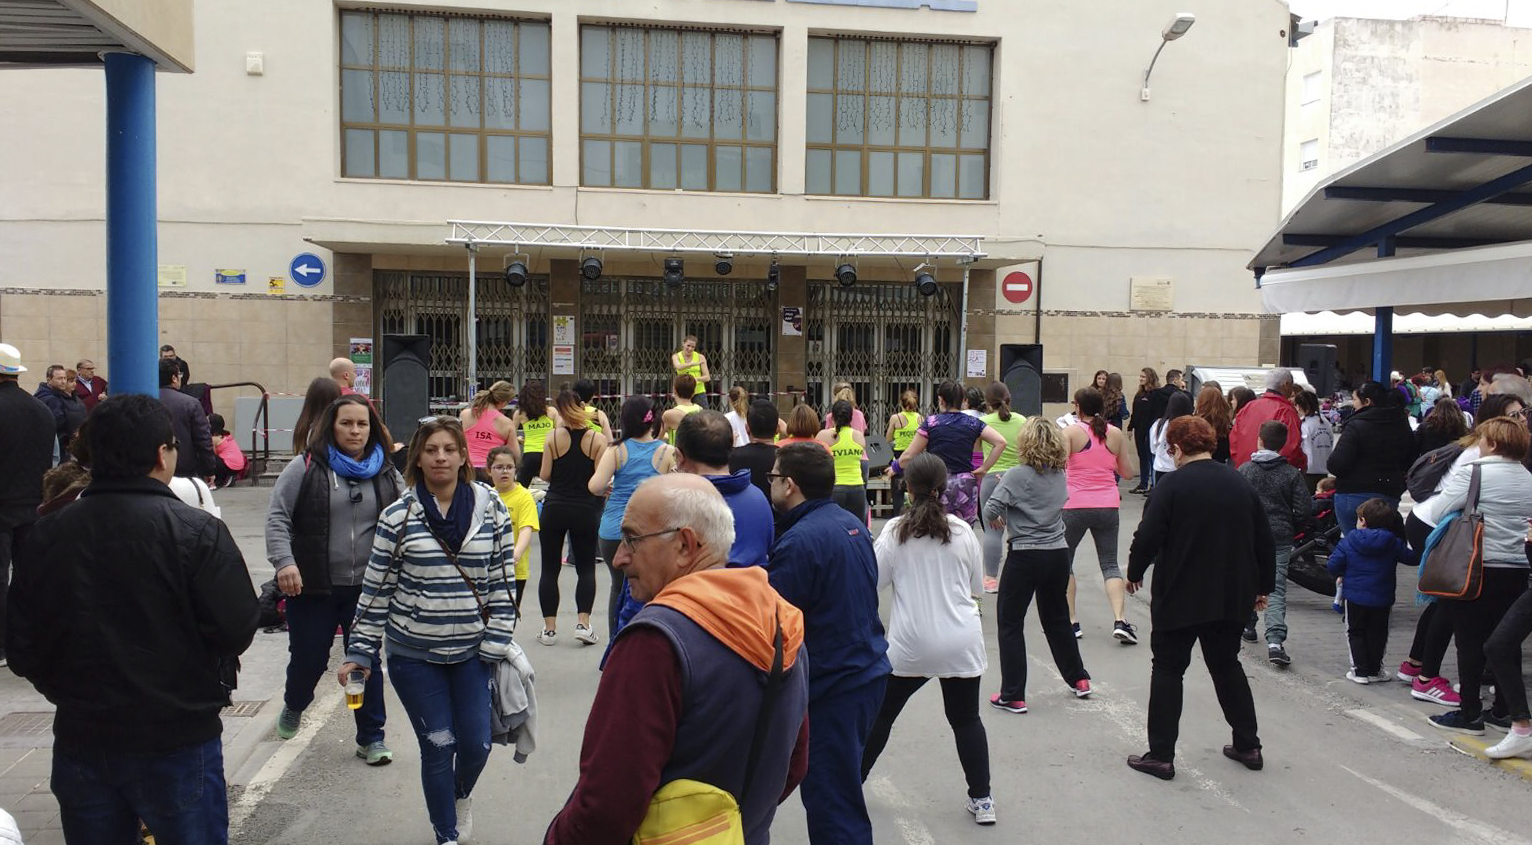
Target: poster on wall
172,275
361,356
792,321
1151,294
563,360
276,285
978,363
564,329
229,277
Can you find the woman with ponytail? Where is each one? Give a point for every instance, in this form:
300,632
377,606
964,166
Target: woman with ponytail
1098,455
1002,419
535,419
639,455
902,425
849,449
487,427
1029,504
739,407
932,561
570,509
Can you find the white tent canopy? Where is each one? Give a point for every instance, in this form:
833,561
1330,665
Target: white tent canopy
1492,281
1329,323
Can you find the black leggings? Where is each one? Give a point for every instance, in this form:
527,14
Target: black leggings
1043,575
579,522
1503,651
1472,624
960,698
531,465
1433,631
614,601
896,488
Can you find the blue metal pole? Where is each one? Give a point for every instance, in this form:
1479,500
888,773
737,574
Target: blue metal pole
132,246
1383,328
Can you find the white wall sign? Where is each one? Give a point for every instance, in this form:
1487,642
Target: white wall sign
978,363
563,360
1151,294
564,329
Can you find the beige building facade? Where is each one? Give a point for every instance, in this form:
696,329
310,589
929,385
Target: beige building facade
356,133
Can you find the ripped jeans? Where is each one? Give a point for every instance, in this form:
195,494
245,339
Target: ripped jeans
449,709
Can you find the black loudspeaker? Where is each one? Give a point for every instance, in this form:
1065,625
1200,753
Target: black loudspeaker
879,452
1318,363
1021,368
405,385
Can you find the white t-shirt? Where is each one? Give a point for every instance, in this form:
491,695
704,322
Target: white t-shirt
737,422
1318,441
1163,462
934,630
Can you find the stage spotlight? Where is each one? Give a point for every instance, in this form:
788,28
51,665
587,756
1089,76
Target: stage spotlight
846,275
675,273
773,276
516,274
590,268
926,284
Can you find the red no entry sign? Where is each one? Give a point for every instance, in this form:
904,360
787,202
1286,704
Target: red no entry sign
1016,287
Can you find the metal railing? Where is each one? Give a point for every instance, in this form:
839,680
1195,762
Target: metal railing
260,429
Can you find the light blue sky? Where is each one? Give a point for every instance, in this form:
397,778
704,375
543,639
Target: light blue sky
1520,10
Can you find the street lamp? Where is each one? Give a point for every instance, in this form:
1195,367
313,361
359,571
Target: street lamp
1175,29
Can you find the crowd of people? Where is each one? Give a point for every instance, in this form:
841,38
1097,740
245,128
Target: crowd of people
745,655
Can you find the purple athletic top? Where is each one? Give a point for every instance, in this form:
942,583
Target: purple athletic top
951,437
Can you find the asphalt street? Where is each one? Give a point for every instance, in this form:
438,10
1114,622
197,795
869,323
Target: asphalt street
1344,763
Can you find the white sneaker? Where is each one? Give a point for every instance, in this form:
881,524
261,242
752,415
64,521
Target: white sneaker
983,809
548,637
1511,746
1383,678
464,819
1354,678
584,634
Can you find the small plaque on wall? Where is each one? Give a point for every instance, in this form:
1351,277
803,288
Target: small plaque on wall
1151,293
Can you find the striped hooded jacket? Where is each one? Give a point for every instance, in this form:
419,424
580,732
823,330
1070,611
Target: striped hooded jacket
418,600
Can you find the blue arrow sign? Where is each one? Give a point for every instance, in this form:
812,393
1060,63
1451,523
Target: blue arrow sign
307,270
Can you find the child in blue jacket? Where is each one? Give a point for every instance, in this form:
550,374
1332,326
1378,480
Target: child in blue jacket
1365,560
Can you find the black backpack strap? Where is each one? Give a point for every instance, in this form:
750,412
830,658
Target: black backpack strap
763,719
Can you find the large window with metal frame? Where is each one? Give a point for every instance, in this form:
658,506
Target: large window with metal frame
671,108
439,97
898,118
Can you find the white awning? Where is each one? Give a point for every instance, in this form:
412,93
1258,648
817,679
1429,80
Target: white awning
1491,281
1327,323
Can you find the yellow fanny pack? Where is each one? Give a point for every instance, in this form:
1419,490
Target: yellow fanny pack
689,812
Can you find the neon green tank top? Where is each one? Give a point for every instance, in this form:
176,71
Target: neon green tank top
848,457
694,369
536,433
670,436
594,423
1011,429
904,436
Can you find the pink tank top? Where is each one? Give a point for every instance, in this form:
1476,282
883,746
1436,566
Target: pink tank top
1091,475
482,437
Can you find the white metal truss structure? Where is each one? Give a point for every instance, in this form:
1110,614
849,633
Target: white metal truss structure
965,248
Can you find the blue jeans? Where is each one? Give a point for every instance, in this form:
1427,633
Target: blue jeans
311,621
179,794
448,705
832,789
1347,503
1276,603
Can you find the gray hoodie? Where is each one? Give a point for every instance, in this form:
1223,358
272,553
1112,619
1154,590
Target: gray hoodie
1284,494
352,524
1033,505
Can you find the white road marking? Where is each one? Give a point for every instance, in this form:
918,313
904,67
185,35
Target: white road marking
912,829
315,718
1385,724
1125,714
1479,831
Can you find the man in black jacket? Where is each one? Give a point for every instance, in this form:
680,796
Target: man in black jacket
1175,382
187,416
67,409
26,452
129,607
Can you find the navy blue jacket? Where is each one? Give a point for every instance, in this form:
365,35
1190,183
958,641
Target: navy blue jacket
1366,558
753,518
824,564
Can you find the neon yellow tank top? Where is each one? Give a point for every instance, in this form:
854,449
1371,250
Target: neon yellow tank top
848,457
536,431
1012,430
670,436
694,369
905,435
594,422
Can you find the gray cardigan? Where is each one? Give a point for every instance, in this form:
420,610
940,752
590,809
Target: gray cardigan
1033,505
1505,499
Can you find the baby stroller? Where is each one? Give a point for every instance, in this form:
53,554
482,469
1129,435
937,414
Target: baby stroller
1312,545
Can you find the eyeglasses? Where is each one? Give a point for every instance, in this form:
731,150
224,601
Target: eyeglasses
631,541
773,476
502,468
173,445
356,491
1518,415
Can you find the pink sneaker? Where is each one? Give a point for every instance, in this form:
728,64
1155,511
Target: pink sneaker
1408,672
1082,688
1436,691
991,585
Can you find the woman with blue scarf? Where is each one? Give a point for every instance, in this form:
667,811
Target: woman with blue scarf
319,536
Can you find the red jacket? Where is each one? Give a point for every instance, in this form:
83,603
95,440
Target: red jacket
90,395
1245,439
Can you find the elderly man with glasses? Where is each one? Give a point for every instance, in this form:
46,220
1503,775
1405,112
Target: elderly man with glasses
682,696
90,387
